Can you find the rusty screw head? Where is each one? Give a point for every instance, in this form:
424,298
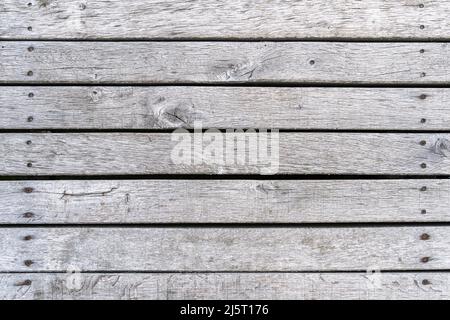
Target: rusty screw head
423,120
31,95
28,190
425,259
28,263
27,282
30,73
28,215
423,143
27,238
30,119
422,27
423,165
425,237
423,96
30,49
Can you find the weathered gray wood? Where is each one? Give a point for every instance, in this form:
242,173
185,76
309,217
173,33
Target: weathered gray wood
224,62
152,153
224,107
224,19
199,286
224,249
223,201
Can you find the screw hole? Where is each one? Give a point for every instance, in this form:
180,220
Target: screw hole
423,96
423,189
30,49
29,142
31,95
422,50
424,211
27,238
423,143
425,260
30,28
422,27
421,5
423,120
29,164
28,263
312,62
426,282
30,119
30,73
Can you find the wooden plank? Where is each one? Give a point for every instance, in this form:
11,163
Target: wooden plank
227,286
223,201
224,107
412,19
224,62
156,153
224,249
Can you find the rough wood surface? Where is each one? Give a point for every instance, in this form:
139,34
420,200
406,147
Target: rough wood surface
224,62
224,249
275,19
223,201
227,286
224,107
152,153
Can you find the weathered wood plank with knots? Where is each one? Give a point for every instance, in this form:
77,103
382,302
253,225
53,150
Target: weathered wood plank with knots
155,153
224,107
224,62
224,249
223,201
274,19
227,286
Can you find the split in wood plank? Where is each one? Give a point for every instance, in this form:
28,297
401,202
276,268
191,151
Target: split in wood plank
238,19
224,62
224,107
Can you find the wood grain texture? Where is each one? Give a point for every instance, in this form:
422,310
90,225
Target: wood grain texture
152,153
226,286
153,19
223,201
224,107
224,249
224,62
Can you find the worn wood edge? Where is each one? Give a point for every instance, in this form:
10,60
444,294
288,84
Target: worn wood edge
218,249
226,286
153,108
223,201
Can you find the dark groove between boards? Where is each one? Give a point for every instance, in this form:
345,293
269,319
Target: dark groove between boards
201,225
235,39
274,84
226,272
223,130
223,177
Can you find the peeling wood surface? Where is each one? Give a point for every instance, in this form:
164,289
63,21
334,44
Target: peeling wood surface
274,19
227,286
224,249
152,153
224,107
224,62
223,201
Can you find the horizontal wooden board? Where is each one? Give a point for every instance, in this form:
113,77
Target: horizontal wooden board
224,62
224,107
227,286
224,249
223,201
178,19
157,153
